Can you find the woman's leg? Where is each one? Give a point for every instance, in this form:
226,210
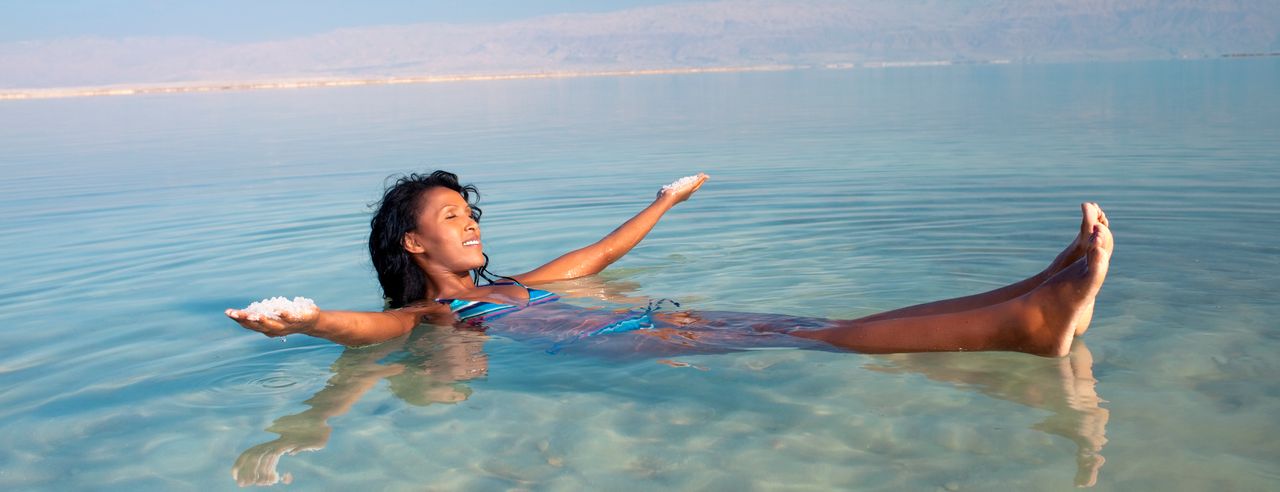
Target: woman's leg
1042,321
1091,214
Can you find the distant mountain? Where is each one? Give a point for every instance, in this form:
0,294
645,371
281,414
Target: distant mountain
727,33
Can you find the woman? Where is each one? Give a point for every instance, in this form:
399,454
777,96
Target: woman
426,247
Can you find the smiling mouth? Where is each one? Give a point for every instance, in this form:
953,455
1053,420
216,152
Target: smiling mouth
473,242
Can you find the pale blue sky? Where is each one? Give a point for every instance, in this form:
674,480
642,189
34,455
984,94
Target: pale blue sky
254,20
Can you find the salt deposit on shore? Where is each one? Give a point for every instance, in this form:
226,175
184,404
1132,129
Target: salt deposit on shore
129,90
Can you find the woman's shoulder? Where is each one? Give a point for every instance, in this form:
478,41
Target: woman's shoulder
508,293
428,312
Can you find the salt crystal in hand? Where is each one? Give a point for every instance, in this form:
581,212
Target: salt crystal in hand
275,306
685,181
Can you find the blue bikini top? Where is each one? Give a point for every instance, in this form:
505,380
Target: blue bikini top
466,310
639,319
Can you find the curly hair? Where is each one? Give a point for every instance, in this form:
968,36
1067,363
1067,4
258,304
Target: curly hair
403,282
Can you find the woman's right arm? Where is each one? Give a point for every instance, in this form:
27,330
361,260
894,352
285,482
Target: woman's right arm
351,328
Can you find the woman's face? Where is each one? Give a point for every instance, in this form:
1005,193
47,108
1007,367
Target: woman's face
446,235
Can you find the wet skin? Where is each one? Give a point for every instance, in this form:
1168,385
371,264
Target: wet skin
1040,315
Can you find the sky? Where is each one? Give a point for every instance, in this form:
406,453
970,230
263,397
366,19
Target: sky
81,43
261,20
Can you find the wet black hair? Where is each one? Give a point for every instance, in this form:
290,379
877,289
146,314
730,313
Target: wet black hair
402,281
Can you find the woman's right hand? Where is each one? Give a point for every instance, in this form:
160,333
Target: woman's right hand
288,323
684,191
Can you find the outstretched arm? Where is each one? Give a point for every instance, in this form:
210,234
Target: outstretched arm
595,257
352,328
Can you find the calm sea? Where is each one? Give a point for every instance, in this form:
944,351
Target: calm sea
130,223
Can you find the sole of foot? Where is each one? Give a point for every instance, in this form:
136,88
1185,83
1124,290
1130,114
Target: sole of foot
1067,299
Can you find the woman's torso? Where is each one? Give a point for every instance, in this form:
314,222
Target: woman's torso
643,330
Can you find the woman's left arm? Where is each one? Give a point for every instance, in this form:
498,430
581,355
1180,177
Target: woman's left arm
594,258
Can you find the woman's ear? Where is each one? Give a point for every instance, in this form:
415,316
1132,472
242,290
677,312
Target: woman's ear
411,244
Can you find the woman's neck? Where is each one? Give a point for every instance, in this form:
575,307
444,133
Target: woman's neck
448,285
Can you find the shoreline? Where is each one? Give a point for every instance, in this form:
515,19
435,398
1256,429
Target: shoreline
195,87
133,89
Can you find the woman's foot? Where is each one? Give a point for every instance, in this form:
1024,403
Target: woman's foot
1066,300
1091,214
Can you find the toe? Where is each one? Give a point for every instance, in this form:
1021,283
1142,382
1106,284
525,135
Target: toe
1089,217
1092,212
1100,242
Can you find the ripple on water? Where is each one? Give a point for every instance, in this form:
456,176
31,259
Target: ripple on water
182,206
263,380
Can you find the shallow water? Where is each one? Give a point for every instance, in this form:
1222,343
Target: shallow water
132,222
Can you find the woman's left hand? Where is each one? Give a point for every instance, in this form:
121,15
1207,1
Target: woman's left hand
683,192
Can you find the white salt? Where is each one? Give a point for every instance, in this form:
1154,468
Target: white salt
275,306
687,180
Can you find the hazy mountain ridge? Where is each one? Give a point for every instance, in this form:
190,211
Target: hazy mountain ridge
730,33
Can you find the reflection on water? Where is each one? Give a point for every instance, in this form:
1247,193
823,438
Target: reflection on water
896,185
427,366
432,364
1066,387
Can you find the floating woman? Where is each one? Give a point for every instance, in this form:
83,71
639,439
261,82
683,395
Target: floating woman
426,247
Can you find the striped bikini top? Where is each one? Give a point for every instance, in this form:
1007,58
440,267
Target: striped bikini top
466,310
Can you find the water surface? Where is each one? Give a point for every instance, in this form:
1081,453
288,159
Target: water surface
132,222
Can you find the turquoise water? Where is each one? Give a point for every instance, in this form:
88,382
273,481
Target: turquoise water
131,223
